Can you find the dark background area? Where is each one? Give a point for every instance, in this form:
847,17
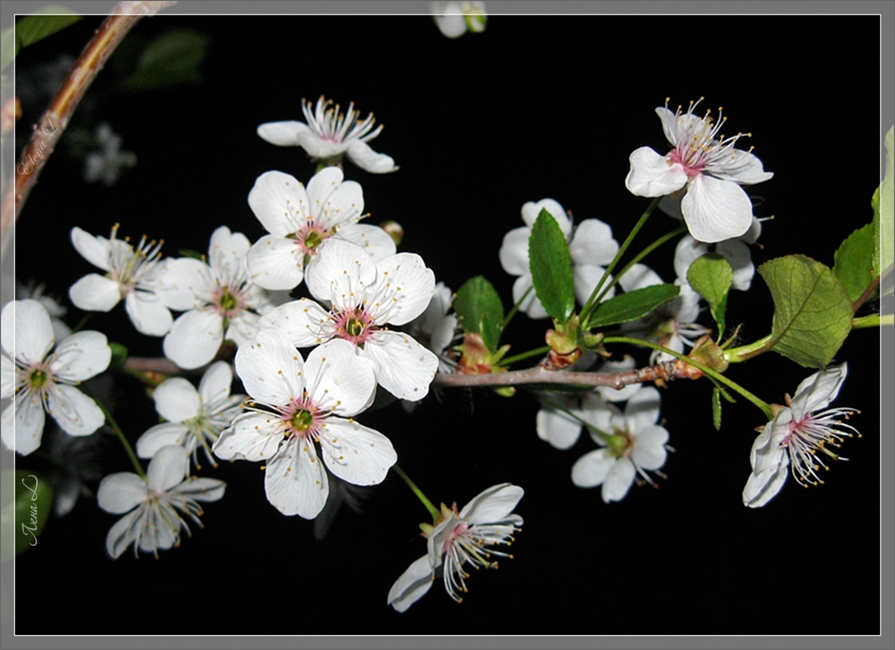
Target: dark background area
535,107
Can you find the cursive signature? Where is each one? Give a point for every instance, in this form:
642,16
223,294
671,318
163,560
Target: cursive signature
26,529
29,162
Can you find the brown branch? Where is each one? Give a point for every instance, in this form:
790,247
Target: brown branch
54,121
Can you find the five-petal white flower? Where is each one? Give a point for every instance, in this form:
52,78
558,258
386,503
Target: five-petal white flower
152,522
711,171
365,297
329,134
591,247
41,380
634,444
137,275
795,436
221,301
461,537
194,418
299,220
297,406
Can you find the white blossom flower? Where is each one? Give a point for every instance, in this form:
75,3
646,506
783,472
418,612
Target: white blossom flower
152,522
705,165
798,432
108,161
365,297
194,418
222,301
735,251
297,406
461,537
137,275
634,444
45,381
591,247
299,220
56,311
435,327
672,324
456,18
329,134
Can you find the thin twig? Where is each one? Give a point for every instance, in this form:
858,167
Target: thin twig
54,121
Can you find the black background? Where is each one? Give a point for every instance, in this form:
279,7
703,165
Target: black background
535,107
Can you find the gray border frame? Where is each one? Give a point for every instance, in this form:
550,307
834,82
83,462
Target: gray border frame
884,8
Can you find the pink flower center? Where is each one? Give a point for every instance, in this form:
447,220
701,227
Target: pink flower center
228,301
302,418
698,147
310,237
354,325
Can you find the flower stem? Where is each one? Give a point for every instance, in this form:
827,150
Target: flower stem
710,372
745,352
549,402
127,446
524,355
592,301
419,493
515,308
872,320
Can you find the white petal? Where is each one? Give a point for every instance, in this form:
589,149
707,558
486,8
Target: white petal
27,331
412,585
95,293
362,155
276,263
201,489
121,492
168,467
303,322
557,428
214,388
818,390
403,367
653,175
23,424
123,533
188,284
492,505
251,436
161,435
176,400
592,243
618,481
355,453
340,272
333,202
81,356
271,369
284,134
649,448
338,379
639,276
585,279
404,288
687,251
295,481
531,211
279,202
7,377
194,339
148,313
716,210
514,251
762,486
373,239
452,26
530,305
591,469
642,409
77,414
737,253
741,167
93,249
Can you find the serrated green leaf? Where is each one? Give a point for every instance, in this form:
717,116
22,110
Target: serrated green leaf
31,29
479,310
551,267
812,311
173,57
716,408
632,305
854,261
711,276
882,202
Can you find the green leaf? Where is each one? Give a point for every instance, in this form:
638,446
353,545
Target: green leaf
551,267
632,305
27,503
711,276
854,261
884,245
173,57
813,313
479,310
31,29
716,408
